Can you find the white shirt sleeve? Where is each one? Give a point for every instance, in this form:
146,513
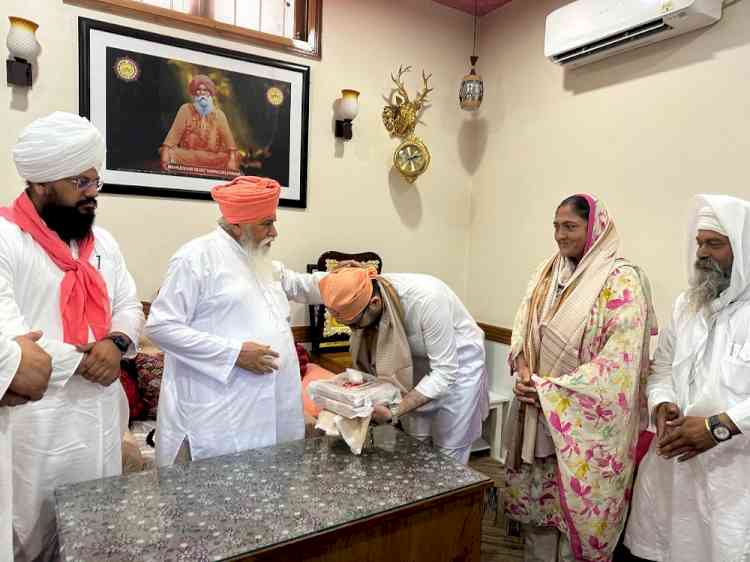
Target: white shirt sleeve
660,385
169,326
440,342
300,287
10,359
65,358
127,310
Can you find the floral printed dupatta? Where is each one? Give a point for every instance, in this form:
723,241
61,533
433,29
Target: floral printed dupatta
588,383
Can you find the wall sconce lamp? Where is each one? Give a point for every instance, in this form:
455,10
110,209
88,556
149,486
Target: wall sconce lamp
346,110
23,47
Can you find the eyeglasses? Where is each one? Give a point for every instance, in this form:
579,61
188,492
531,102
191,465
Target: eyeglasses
83,183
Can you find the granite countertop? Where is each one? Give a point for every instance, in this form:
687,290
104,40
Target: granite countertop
231,505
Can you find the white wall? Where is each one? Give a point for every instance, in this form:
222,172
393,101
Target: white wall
644,130
355,201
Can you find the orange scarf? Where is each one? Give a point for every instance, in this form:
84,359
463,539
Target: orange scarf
84,300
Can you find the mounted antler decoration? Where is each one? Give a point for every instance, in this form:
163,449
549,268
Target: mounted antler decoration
400,117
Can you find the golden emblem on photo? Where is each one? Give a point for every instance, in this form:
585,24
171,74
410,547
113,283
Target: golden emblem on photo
127,69
275,96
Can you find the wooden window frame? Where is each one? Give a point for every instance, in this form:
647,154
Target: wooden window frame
309,48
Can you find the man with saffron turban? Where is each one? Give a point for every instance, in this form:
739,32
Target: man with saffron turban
413,331
200,135
231,375
691,501
69,280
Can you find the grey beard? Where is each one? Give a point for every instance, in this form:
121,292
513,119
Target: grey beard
203,104
708,283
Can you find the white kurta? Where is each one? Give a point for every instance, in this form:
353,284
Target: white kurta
74,433
447,347
209,304
699,510
10,358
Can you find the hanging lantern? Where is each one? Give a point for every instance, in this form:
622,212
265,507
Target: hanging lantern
471,92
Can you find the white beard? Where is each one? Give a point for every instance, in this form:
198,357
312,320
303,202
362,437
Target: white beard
260,261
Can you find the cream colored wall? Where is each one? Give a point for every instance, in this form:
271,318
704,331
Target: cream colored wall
645,130
355,202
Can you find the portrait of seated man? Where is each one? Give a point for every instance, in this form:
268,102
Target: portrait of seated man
200,136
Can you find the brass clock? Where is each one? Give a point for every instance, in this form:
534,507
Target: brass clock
411,158
400,116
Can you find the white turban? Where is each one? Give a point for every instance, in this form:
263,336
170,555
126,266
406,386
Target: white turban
707,220
61,145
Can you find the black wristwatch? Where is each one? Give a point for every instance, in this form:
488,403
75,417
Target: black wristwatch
719,431
121,342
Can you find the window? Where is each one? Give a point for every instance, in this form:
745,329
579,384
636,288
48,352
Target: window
292,25
269,16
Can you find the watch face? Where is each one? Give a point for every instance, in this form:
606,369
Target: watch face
410,159
721,433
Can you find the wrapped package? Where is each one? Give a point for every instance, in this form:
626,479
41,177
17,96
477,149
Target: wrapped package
352,400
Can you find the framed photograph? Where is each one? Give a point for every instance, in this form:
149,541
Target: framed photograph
180,117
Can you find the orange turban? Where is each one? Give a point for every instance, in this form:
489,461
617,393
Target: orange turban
202,80
347,291
247,199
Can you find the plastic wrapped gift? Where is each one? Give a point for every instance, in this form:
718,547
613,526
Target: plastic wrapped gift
352,399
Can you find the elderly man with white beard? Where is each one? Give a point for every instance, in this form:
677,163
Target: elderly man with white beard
691,502
231,376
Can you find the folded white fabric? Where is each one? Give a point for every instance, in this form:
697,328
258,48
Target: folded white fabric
352,431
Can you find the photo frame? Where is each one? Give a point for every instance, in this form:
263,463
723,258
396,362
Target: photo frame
180,117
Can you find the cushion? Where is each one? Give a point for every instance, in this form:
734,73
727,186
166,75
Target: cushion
149,368
314,373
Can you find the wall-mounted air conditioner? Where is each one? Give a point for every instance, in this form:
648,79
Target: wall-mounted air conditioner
588,30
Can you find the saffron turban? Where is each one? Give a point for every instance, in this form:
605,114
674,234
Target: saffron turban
201,80
347,291
707,220
58,146
247,199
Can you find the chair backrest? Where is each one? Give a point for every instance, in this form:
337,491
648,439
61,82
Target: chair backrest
327,334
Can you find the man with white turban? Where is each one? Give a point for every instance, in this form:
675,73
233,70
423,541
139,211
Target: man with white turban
231,374
69,280
691,500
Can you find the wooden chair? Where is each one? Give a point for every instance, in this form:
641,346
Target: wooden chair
327,335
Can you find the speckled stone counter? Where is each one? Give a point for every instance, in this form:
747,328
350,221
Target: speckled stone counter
239,504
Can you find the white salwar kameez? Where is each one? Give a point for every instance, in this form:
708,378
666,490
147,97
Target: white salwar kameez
699,510
10,359
210,303
74,433
447,348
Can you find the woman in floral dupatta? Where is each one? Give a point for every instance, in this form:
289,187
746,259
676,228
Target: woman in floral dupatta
580,356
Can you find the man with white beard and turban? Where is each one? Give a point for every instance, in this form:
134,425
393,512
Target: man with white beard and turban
67,279
200,135
691,500
231,374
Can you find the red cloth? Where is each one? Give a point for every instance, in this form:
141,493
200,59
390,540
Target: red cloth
641,448
303,358
131,391
84,300
247,199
